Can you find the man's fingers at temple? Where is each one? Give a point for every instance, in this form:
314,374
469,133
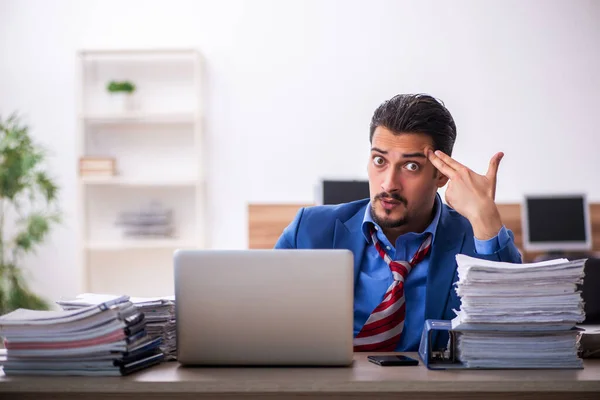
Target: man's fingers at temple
442,166
449,160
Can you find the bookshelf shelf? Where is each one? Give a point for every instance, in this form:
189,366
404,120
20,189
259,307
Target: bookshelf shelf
154,137
138,55
141,182
139,244
140,118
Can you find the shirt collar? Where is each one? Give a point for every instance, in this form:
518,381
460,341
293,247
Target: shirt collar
432,228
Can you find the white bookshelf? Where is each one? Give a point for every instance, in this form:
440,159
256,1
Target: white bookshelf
158,148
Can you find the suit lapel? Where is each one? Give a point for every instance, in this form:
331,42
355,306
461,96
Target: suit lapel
348,235
442,265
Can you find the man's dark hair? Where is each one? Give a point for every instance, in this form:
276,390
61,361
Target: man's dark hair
417,113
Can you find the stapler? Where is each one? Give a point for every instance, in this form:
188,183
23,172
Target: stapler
436,359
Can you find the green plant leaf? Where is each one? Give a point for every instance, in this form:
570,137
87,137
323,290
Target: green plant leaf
124,86
19,296
30,160
45,184
3,300
37,227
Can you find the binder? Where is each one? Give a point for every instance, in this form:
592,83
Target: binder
134,366
437,359
442,359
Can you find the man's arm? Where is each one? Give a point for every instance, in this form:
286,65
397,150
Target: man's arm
288,239
499,248
473,196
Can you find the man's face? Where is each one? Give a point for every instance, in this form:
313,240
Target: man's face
402,181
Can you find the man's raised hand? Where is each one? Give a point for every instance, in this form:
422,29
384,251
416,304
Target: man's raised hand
471,194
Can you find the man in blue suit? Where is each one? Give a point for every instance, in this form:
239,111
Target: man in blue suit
404,238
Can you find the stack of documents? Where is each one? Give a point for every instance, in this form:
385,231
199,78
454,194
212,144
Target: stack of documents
107,339
159,314
160,317
152,220
518,315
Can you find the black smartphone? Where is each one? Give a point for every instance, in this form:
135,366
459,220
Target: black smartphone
390,361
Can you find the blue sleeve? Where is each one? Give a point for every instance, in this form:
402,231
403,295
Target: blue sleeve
494,244
287,240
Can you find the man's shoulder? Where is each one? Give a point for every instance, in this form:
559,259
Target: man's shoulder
333,212
454,221
314,226
454,216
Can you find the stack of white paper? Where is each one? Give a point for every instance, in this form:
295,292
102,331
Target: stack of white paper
159,313
518,315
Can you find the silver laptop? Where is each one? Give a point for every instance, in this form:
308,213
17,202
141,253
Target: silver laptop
264,307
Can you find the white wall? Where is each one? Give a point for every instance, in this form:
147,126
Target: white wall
293,84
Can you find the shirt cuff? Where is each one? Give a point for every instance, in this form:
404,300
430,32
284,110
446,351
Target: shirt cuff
494,244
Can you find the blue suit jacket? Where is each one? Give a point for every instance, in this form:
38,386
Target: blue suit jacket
339,227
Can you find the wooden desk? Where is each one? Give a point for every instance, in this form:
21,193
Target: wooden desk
362,380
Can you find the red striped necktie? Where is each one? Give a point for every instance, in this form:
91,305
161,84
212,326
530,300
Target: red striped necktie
384,326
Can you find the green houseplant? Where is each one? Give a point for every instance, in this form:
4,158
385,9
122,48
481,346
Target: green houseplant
120,86
28,210
121,95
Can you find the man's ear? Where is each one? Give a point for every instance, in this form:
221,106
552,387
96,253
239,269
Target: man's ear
440,179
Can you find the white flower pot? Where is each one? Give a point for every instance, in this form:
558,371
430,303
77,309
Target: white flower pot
121,102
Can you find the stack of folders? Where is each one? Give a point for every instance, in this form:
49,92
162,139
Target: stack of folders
159,315
518,315
161,323
153,220
108,339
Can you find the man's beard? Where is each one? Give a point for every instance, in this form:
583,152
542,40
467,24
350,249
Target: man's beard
387,223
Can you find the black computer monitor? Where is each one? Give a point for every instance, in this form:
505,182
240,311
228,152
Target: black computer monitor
344,191
556,223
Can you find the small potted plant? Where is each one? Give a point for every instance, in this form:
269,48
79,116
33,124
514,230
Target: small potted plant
121,95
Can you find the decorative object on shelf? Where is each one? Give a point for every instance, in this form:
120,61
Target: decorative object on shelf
121,95
97,166
28,196
149,222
